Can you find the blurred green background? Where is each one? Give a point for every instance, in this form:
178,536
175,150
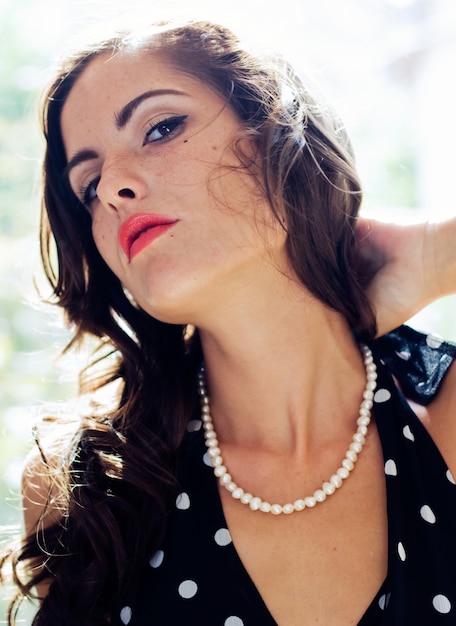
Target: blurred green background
387,66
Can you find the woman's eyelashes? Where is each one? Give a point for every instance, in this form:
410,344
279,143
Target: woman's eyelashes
88,193
165,129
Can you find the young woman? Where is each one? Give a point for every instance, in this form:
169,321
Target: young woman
261,465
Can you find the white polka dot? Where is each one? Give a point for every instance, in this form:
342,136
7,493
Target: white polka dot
450,477
434,341
404,355
157,559
222,537
401,551
382,395
183,501
207,459
126,615
233,621
427,514
383,601
441,603
408,433
194,425
188,589
390,468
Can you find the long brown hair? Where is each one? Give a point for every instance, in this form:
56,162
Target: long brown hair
120,471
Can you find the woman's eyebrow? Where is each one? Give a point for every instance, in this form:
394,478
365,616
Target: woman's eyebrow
121,120
79,157
124,115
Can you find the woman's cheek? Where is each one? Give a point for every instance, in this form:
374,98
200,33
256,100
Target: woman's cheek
105,238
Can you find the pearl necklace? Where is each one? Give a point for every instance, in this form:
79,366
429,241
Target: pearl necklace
327,488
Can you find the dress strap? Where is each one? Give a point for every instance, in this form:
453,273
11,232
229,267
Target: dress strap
420,362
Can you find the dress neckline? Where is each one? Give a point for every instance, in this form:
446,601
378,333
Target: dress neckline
375,608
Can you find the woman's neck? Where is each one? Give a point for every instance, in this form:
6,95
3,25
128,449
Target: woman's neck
284,379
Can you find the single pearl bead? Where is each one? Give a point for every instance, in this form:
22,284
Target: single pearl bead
319,495
310,501
348,464
328,488
255,504
299,505
343,472
356,447
225,479
288,508
276,509
246,498
238,493
336,480
351,454
265,507
212,443
214,451
220,470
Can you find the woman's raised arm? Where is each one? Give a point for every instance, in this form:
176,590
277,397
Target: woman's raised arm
411,266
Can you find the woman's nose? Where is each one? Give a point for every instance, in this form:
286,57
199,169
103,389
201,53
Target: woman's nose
121,186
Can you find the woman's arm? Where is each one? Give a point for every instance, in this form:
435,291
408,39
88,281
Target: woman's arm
411,266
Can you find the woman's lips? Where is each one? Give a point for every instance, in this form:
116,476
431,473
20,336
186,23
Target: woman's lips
139,230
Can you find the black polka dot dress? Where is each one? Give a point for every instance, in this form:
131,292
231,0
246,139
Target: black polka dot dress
197,578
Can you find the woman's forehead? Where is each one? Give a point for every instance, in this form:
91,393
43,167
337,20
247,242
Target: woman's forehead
113,78
131,65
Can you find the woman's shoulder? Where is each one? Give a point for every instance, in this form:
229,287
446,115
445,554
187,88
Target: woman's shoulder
44,473
44,491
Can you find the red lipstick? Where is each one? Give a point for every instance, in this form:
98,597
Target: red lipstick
141,229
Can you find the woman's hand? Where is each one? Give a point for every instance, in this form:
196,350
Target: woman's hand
407,267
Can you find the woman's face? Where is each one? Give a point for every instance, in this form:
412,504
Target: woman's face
174,216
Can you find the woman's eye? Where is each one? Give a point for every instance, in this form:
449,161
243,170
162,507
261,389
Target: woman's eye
89,193
165,128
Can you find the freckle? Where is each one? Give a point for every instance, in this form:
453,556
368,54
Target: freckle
185,140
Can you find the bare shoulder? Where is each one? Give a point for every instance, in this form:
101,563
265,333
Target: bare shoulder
439,418
45,493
